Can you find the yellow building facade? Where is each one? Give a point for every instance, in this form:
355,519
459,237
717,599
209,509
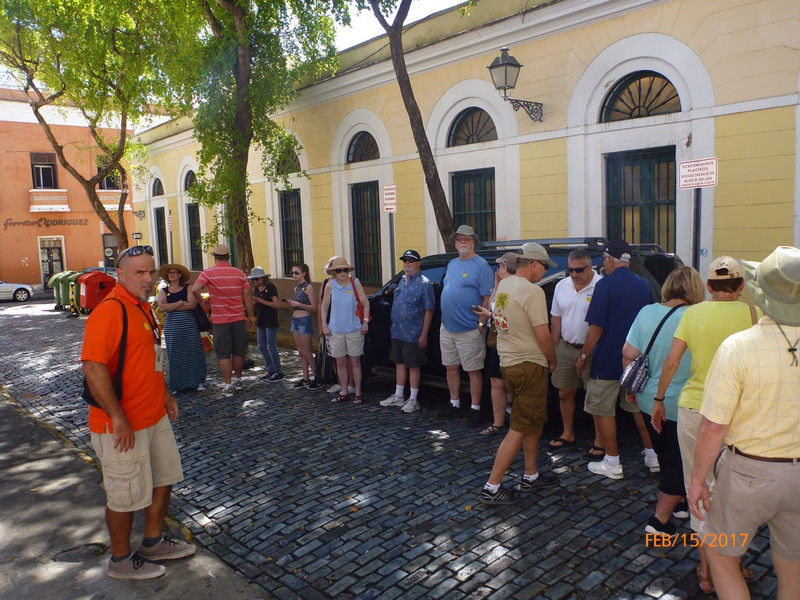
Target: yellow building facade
630,89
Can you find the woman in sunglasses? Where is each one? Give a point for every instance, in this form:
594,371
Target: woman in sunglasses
347,325
304,302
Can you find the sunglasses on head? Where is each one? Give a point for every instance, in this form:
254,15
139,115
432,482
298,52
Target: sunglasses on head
134,251
577,269
340,270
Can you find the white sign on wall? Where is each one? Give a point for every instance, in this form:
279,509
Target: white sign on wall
390,198
697,173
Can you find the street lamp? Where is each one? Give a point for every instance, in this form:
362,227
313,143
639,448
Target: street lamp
504,71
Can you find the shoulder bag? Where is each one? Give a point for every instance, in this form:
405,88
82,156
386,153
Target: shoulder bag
636,374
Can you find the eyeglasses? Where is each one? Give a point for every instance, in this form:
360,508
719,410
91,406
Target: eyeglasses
296,273
606,257
134,251
577,269
340,270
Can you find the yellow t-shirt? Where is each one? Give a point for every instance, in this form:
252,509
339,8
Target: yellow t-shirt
519,307
703,327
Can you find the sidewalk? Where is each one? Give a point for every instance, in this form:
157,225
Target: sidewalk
308,499
53,529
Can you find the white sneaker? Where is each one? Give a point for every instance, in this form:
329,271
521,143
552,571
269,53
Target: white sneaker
201,387
651,463
227,391
602,467
410,406
393,401
334,388
351,390
237,384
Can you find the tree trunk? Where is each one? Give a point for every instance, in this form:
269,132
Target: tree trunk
444,218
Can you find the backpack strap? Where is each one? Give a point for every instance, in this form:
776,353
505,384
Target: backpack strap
123,343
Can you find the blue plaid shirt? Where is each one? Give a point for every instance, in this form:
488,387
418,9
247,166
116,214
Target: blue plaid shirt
411,299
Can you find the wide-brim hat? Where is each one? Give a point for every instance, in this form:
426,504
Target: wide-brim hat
163,271
534,251
338,262
466,230
258,273
774,284
220,250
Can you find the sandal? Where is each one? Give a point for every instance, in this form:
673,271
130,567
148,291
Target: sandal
747,573
491,430
358,400
704,581
558,443
597,452
340,398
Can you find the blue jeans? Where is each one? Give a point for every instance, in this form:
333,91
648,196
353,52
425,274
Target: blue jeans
268,344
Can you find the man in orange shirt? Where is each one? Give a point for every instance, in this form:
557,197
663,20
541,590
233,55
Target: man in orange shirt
131,434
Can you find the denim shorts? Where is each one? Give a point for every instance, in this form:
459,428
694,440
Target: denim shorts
303,325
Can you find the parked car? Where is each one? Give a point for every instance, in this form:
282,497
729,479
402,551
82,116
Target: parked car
649,261
20,292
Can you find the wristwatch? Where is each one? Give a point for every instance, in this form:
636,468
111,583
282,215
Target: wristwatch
583,356
657,399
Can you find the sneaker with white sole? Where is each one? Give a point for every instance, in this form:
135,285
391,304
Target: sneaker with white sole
201,387
167,549
602,467
410,406
501,496
655,526
237,384
393,401
651,463
334,389
134,567
227,391
681,511
544,480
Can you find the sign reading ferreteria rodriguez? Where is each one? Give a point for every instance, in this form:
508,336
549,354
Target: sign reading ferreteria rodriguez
44,222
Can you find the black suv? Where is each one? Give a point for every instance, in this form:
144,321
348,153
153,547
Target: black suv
649,261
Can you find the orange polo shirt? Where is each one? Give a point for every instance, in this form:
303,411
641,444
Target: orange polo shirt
143,387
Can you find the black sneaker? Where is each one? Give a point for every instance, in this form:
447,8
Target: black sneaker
266,377
544,480
681,511
501,496
300,383
474,418
314,385
656,526
449,412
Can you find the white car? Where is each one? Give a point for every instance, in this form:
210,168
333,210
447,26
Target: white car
15,291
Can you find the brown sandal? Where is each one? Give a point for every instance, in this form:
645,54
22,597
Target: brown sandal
704,581
491,430
358,400
340,398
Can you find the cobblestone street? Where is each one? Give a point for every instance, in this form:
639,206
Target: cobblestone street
309,499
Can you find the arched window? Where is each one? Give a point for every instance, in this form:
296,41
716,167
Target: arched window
290,164
362,147
640,94
471,126
158,187
189,180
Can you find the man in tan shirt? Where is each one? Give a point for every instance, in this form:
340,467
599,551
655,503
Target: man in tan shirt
526,357
751,404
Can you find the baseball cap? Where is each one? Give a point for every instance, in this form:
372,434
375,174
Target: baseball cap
534,251
410,255
619,249
724,267
509,259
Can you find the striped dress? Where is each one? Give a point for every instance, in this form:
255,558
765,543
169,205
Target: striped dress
185,355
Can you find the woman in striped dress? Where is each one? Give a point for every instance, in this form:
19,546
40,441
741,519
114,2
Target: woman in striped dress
185,355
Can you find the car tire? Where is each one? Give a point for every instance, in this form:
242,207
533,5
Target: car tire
21,295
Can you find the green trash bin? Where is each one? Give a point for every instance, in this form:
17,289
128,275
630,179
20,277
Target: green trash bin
68,289
55,284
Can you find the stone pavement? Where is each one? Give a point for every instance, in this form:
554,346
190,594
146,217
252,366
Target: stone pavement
308,499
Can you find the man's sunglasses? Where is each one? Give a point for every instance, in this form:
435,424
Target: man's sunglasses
409,260
134,251
577,269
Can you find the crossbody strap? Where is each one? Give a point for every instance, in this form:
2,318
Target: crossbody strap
123,343
660,325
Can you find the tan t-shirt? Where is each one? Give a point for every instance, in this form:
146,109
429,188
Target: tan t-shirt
519,307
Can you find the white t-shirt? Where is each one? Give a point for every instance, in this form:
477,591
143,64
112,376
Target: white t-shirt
571,306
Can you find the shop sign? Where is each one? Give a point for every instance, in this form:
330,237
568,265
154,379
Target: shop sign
44,222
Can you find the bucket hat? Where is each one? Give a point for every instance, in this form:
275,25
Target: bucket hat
774,284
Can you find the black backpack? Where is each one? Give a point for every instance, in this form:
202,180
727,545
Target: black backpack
87,393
